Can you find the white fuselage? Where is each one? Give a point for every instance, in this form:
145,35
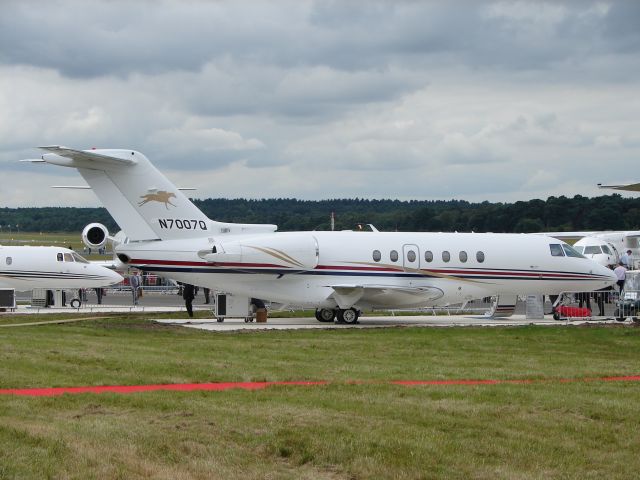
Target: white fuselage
26,268
171,236
312,268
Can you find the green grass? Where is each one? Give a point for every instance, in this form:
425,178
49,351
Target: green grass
341,430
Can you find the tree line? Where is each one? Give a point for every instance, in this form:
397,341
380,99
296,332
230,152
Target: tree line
610,212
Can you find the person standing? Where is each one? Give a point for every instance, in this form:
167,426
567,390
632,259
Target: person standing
99,293
621,275
134,281
188,293
627,260
599,297
207,295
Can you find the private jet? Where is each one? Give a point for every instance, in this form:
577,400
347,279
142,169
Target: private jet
338,273
25,268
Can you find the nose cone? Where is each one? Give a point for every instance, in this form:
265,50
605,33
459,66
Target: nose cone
103,276
115,277
609,277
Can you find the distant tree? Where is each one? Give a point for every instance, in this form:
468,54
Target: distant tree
529,225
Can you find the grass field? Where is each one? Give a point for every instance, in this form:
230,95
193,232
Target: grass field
73,240
547,429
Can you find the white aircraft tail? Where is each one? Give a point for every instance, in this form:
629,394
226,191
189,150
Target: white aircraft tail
144,203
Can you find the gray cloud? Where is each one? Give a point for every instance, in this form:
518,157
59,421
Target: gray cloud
88,39
472,99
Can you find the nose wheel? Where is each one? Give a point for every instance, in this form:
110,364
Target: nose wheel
349,315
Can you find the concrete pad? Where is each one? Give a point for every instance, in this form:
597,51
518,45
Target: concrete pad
232,324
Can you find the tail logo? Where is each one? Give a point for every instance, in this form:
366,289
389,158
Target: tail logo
160,197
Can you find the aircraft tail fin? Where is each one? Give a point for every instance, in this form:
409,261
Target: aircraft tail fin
144,203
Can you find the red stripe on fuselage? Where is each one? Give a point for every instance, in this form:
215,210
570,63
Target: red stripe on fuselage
181,263
453,272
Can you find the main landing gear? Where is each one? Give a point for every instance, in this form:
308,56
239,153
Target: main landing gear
349,315
325,315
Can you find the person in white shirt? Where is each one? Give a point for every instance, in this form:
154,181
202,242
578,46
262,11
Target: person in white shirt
621,274
627,259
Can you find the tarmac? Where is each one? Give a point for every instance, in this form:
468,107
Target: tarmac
161,303
235,324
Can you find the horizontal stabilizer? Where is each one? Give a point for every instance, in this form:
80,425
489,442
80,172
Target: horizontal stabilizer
85,156
33,160
87,187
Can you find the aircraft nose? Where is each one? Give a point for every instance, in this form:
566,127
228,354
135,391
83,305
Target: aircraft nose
114,277
607,272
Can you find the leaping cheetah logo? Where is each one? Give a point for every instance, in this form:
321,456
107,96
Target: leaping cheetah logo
160,197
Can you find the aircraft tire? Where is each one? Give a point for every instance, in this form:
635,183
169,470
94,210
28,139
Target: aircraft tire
325,315
350,316
75,303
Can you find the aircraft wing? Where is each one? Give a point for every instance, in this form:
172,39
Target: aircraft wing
381,295
86,156
630,187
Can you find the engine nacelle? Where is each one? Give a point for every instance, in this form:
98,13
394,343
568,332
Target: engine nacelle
95,235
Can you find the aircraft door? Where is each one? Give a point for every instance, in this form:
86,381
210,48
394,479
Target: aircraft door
411,257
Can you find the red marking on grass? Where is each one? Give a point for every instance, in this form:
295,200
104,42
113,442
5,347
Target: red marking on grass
413,383
218,387
180,387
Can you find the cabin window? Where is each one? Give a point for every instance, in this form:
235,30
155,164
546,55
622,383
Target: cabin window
60,259
9,260
480,256
463,256
68,257
446,256
411,256
428,256
570,251
393,256
556,250
377,255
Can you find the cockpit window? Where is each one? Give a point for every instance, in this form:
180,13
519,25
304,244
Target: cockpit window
59,257
606,250
556,250
578,248
592,250
68,257
570,251
78,258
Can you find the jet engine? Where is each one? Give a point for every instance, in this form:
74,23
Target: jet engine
95,235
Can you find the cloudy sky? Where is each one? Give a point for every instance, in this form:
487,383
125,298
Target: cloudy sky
498,101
